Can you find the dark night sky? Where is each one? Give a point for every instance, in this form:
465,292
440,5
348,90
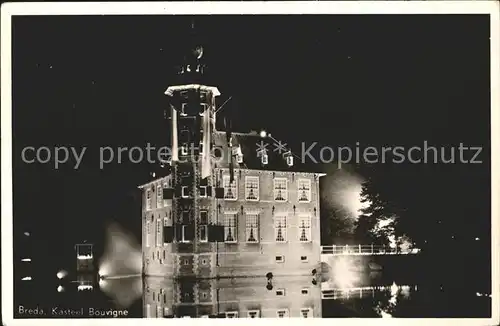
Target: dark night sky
99,81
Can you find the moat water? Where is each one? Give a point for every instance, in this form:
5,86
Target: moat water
397,289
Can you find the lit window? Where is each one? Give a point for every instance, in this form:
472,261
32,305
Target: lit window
264,159
149,200
184,193
203,191
184,149
183,109
253,313
203,226
159,196
280,228
280,189
305,229
230,188
252,188
231,314
289,160
148,233
184,236
306,312
230,227
252,228
282,313
304,190
159,239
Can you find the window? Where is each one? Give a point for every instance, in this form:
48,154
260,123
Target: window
230,227
148,232
183,109
304,190
253,313
289,160
184,149
203,191
282,313
306,312
280,228
303,259
159,239
252,188
165,201
203,226
184,192
304,229
230,188
280,189
264,159
231,314
304,291
149,199
280,292
159,196
252,228
184,234
148,310
280,259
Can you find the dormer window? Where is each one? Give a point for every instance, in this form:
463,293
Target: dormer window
264,159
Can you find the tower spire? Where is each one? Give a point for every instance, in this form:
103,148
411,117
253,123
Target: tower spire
193,67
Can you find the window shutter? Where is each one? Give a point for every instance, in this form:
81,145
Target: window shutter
168,234
168,193
178,232
215,233
189,233
219,193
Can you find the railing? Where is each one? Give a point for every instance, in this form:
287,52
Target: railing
366,250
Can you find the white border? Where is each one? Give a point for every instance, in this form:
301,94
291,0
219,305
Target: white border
228,8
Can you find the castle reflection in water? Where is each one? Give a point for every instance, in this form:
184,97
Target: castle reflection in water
246,297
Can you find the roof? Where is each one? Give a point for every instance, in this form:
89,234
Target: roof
250,143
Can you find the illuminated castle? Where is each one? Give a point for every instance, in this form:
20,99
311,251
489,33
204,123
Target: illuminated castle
227,211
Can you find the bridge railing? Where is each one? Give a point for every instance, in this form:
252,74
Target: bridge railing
370,249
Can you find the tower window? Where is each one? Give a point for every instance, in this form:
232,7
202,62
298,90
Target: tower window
304,190
183,109
230,228
184,149
252,188
185,192
252,228
280,228
280,189
230,188
203,191
264,159
305,229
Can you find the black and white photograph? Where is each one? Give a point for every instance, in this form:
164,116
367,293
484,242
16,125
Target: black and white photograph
250,160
